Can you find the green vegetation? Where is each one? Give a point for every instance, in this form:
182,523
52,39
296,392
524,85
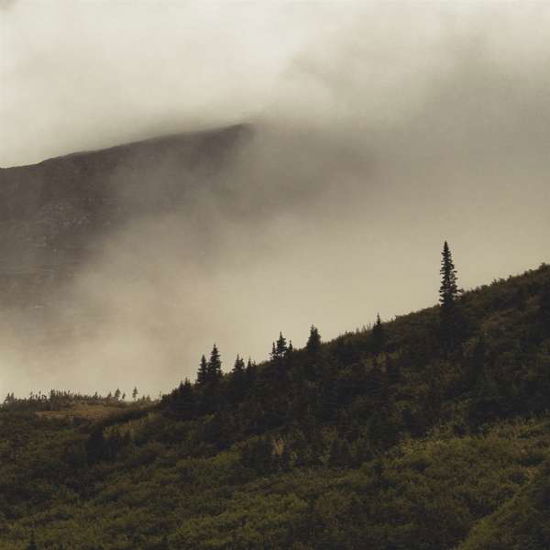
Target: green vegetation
427,432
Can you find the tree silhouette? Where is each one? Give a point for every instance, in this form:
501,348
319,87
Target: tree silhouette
238,380
238,367
314,341
202,374
214,367
279,349
448,297
448,291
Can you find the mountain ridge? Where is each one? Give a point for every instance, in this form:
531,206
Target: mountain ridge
155,140
57,211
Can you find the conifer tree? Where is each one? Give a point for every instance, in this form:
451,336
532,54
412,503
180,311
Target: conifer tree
202,374
448,291
250,371
238,380
279,349
238,367
214,367
135,393
448,297
314,341
183,402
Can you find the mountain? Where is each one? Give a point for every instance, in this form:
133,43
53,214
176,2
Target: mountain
57,213
383,438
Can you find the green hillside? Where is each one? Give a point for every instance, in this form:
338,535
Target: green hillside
430,431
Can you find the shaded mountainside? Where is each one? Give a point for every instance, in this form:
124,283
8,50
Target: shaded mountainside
380,439
54,213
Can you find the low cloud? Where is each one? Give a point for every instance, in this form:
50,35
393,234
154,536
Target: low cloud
378,132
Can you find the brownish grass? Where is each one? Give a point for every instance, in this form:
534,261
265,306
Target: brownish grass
82,410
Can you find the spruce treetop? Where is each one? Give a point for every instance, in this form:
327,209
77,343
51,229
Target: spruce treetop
214,368
448,291
202,374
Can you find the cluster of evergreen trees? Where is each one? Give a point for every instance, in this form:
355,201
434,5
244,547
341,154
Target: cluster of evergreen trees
210,392
379,375
356,377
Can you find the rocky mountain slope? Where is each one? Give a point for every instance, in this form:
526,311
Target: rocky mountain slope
54,214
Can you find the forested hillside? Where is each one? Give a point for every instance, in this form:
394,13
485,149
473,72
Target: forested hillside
429,431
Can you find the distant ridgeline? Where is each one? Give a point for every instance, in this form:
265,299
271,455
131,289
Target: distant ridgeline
427,432
54,214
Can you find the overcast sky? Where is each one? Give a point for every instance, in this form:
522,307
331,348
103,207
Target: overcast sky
409,123
79,74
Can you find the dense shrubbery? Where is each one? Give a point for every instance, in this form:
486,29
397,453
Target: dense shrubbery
393,437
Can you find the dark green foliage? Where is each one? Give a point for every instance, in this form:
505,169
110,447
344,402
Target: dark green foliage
182,401
238,381
258,455
544,310
32,544
520,524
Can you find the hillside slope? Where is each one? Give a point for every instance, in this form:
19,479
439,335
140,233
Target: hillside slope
56,213
379,439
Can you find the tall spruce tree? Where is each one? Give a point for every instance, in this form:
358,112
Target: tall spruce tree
448,297
448,291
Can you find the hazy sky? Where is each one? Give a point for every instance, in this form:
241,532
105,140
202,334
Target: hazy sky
79,74
384,128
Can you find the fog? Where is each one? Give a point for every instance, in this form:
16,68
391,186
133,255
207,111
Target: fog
378,131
